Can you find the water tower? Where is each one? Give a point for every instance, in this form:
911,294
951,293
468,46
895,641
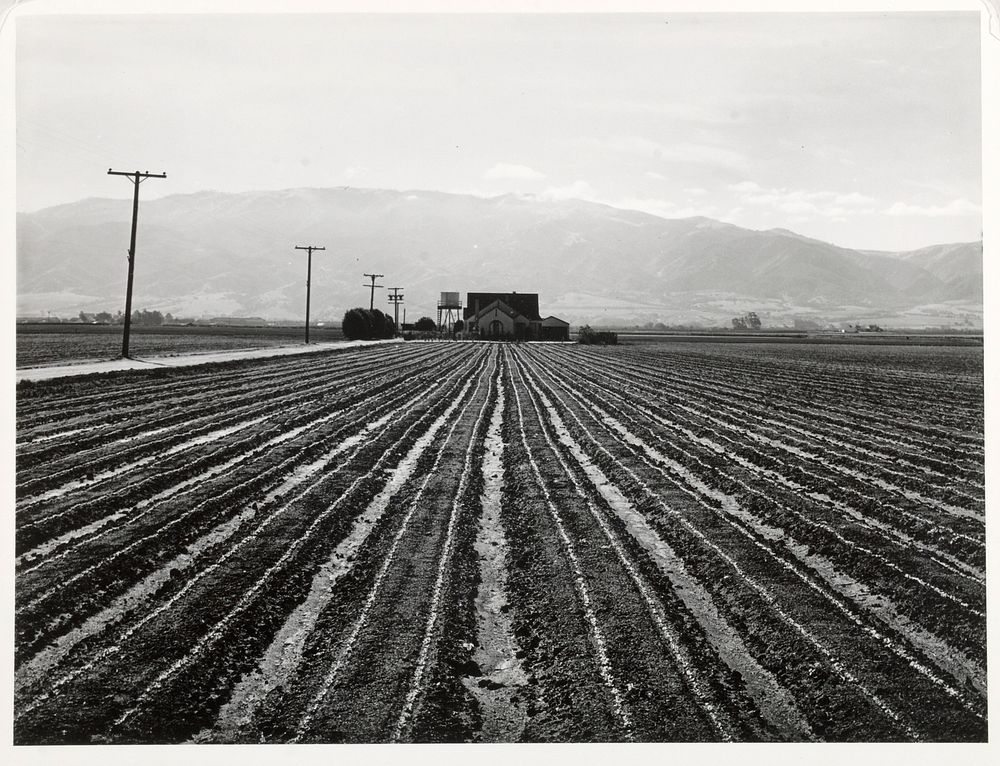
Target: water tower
449,311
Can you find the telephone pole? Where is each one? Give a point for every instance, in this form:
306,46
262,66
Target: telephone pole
309,268
396,298
136,177
371,303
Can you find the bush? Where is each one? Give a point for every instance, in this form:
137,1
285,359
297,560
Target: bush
367,324
369,319
384,327
425,324
591,337
354,325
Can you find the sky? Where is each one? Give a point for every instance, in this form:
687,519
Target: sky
862,129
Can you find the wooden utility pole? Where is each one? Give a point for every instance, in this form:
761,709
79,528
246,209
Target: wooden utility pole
309,268
371,303
136,177
396,298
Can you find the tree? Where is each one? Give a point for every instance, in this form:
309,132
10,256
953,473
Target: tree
425,324
379,324
366,324
354,325
147,318
749,321
459,325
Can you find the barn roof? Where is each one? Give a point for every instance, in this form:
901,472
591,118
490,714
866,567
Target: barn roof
522,303
496,306
551,321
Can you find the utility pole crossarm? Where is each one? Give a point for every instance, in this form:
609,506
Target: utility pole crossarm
135,173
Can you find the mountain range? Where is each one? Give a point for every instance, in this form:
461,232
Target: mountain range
213,253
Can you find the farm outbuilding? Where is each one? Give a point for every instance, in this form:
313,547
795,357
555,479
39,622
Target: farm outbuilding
554,328
510,316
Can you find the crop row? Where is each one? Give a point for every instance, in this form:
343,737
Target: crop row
479,542
928,626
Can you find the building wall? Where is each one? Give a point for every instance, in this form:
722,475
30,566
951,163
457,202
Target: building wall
553,328
554,332
486,324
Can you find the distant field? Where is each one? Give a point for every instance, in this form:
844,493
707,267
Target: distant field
865,338
43,344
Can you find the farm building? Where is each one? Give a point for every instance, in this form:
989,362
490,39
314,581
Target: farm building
554,328
510,316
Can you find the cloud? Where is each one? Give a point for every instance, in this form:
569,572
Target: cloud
803,204
956,207
716,114
854,198
352,172
663,208
575,190
696,191
507,171
654,174
797,207
685,152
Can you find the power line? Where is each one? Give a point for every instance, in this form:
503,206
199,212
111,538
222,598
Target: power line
136,177
309,265
69,144
371,303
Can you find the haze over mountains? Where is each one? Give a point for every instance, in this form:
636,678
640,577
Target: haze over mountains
214,254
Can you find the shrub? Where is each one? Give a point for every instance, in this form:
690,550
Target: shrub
390,327
591,337
367,324
369,320
382,325
426,324
354,326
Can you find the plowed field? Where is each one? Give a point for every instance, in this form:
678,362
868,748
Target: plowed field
46,344
483,542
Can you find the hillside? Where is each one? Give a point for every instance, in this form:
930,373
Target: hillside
212,253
